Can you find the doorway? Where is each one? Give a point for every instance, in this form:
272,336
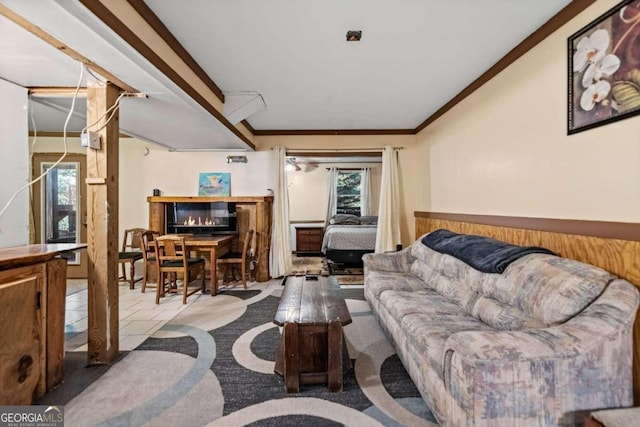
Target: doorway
59,210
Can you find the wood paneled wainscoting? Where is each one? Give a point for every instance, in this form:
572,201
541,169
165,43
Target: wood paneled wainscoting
612,246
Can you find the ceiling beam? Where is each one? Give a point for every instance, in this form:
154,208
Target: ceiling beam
57,91
248,126
57,134
558,20
48,38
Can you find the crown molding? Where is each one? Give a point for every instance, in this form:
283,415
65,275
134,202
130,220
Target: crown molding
284,132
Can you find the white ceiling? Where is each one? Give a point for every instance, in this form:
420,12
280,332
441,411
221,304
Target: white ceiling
415,56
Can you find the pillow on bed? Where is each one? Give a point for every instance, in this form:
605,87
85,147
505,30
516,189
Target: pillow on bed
368,220
344,219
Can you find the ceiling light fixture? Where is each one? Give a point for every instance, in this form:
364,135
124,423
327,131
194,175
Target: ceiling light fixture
354,36
291,165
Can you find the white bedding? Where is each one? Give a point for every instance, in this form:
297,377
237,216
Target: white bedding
346,237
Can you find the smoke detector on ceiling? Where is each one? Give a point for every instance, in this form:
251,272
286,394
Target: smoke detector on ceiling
354,36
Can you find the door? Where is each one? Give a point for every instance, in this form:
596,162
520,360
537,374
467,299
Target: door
60,214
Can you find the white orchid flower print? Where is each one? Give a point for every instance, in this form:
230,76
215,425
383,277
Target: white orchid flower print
603,68
594,94
590,50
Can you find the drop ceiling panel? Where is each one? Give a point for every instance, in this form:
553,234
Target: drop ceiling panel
169,116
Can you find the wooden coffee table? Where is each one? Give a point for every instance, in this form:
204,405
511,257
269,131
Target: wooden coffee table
312,312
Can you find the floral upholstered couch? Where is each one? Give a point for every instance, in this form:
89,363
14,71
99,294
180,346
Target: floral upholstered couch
533,346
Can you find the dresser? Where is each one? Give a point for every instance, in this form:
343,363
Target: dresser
308,240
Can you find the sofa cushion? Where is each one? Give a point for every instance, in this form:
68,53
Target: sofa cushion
380,281
520,297
503,316
427,320
450,277
548,288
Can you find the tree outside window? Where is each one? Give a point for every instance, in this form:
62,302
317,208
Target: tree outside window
348,192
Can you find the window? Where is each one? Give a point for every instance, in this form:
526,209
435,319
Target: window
60,201
348,192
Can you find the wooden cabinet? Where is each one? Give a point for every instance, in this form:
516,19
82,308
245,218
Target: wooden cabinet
308,240
32,306
252,213
21,338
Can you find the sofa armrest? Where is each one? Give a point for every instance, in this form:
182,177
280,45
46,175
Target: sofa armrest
398,262
513,376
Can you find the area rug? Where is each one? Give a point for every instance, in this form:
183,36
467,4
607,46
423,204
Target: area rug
319,265
215,368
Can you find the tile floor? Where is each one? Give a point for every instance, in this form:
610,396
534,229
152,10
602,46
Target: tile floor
140,316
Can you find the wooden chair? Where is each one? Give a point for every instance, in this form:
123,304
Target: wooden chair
238,259
172,259
131,252
149,258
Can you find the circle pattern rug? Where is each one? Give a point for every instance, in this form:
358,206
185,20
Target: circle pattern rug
187,376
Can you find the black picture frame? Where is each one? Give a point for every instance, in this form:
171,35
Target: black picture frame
604,81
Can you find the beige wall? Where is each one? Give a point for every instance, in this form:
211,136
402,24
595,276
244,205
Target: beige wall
408,160
56,145
505,149
175,174
308,192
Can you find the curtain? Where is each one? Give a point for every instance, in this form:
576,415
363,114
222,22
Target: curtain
280,262
388,232
365,192
332,204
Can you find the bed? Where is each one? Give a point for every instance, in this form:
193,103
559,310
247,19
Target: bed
348,237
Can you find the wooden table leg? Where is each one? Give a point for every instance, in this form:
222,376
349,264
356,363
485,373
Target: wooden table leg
214,271
334,350
279,366
291,358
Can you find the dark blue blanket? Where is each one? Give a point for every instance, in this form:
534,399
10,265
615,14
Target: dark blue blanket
482,253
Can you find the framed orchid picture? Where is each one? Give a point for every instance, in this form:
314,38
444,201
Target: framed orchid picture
604,69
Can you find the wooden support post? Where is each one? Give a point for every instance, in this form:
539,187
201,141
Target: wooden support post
102,226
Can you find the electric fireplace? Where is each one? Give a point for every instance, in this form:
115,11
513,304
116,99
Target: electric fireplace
201,218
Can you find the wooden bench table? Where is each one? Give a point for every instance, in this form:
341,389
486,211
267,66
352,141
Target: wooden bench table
312,314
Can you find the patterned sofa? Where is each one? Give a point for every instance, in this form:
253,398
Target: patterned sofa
534,346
